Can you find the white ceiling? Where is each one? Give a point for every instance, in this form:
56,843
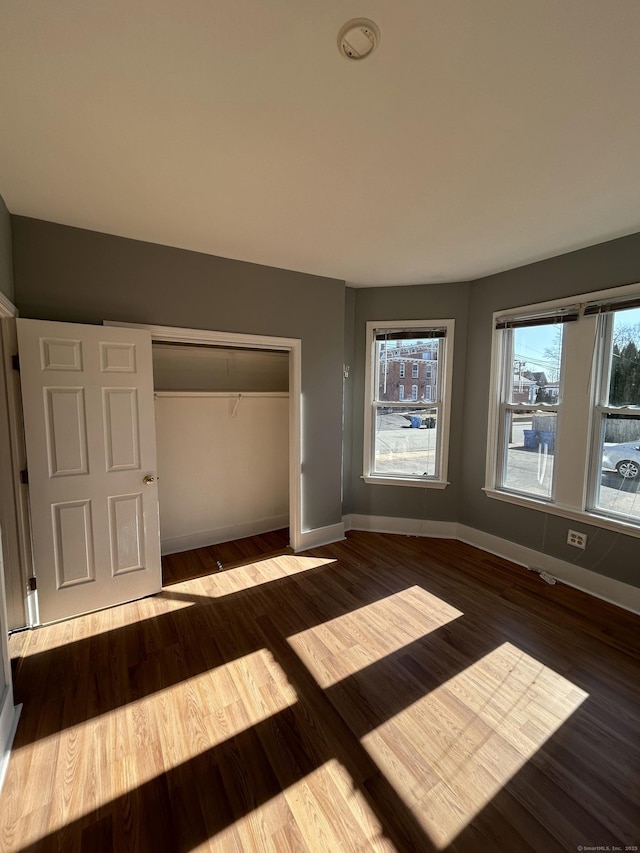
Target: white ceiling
481,135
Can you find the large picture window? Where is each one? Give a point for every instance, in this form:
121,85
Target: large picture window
564,423
407,436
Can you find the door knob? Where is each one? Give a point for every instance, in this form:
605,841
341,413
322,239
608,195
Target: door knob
149,479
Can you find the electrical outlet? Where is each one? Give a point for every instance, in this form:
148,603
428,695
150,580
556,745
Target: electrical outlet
578,540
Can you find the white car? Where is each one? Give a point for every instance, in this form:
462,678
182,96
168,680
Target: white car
623,458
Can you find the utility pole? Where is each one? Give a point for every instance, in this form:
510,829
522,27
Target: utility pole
518,365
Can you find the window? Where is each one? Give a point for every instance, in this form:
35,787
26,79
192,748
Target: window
530,406
402,367
406,441
414,372
616,454
564,425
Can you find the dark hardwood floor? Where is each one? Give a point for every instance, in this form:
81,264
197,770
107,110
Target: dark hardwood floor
382,693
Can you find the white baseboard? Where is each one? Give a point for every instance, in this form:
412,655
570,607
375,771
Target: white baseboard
202,539
8,727
402,526
600,586
603,587
319,536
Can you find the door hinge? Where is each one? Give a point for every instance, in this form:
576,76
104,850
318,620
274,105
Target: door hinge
24,477
33,583
15,362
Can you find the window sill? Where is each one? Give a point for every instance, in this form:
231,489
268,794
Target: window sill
592,518
379,480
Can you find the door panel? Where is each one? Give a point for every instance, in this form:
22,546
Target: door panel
73,543
65,424
90,434
120,406
127,533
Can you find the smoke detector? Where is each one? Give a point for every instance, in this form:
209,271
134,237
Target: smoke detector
358,39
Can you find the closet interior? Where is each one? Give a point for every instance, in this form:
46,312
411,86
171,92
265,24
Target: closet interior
222,429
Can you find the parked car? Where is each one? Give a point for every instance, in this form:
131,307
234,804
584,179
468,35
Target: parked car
623,458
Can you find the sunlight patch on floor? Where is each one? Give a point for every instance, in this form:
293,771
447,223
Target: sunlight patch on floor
315,803
461,743
230,581
110,755
307,816
340,647
59,634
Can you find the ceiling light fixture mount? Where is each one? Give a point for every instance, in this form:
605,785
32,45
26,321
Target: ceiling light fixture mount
358,39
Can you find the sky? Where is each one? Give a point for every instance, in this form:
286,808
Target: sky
530,347
531,344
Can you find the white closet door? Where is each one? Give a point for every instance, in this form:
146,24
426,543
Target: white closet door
91,451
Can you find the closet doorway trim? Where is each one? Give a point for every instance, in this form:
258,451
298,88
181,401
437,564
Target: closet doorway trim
232,339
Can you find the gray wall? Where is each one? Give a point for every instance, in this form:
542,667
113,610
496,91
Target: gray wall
611,264
422,302
608,265
64,273
6,263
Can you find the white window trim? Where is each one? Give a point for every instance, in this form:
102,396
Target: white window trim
446,369
573,497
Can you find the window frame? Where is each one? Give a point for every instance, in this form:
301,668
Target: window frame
601,408
442,402
507,408
585,350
